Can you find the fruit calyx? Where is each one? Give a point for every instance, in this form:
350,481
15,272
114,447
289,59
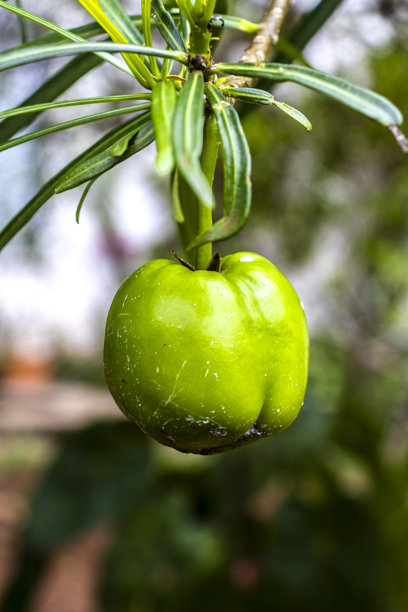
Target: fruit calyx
182,261
214,264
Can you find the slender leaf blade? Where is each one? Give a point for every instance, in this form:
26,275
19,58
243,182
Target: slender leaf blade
294,113
167,27
175,198
188,124
363,100
48,189
237,170
85,31
49,90
66,125
95,166
147,33
237,23
249,94
164,97
27,55
113,24
123,22
58,30
39,108
82,200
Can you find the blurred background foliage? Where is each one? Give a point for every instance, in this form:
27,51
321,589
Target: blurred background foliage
316,518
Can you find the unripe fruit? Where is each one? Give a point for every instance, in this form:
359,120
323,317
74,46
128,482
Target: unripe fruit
207,361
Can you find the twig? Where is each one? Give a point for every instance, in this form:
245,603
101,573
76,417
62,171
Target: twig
400,137
264,41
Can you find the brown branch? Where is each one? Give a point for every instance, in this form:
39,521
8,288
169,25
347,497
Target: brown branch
400,137
264,41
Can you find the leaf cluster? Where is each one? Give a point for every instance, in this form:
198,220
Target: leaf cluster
183,87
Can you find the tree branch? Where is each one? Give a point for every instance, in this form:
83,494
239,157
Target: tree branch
264,41
400,137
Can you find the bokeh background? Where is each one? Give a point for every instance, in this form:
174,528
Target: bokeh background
94,516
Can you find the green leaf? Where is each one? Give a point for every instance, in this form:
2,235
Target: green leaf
175,198
92,167
23,26
164,97
237,170
48,190
58,30
286,48
11,59
260,96
113,20
359,98
82,200
37,108
185,7
49,90
184,27
118,16
118,149
167,27
85,31
74,123
147,33
310,23
249,94
294,113
187,133
237,23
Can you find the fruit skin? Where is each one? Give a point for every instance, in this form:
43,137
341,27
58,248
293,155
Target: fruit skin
206,361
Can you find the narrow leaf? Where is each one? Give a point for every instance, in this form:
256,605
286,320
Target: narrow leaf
74,123
310,23
164,98
113,19
37,108
249,94
286,48
184,27
237,23
185,7
23,26
88,30
294,113
49,90
359,98
11,59
147,33
58,30
188,123
82,200
118,16
175,198
48,190
167,26
98,164
118,149
237,168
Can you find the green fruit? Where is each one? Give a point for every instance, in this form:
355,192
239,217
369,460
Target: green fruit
206,361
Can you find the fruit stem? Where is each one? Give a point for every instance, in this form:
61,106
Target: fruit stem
208,163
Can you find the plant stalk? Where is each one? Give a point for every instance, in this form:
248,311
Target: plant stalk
208,163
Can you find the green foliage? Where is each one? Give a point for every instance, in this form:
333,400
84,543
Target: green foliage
191,32
237,170
318,517
360,99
